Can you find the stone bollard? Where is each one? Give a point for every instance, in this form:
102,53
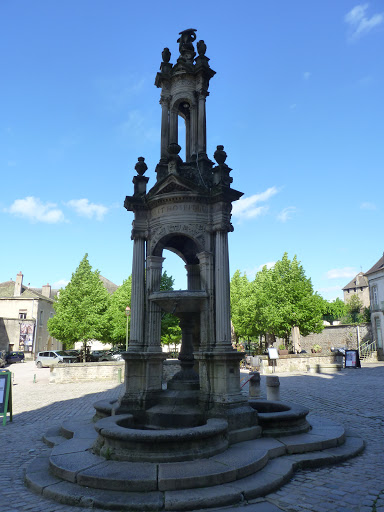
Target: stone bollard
254,385
273,388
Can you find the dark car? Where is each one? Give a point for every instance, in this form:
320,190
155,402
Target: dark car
14,357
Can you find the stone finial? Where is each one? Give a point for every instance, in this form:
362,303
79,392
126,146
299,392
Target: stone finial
186,39
173,149
201,48
166,55
220,155
141,166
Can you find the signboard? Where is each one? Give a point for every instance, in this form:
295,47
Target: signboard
5,395
272,353
26,337
352,359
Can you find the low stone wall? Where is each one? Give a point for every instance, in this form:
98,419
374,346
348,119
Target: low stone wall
108,370
313,363
337,336
83,372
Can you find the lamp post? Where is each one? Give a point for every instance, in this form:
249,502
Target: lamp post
127,313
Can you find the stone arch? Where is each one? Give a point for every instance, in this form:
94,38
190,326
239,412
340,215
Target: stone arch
185,246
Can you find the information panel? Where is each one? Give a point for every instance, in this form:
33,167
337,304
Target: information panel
5,395
352,359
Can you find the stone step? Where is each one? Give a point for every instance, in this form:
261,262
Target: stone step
73,461
269,478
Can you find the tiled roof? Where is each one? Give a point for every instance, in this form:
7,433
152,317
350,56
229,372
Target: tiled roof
110,287
7,291
359,281
377,266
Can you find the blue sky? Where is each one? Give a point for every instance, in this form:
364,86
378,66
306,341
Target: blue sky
297,102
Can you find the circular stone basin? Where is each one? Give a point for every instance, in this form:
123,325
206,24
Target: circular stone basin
118,439
280,419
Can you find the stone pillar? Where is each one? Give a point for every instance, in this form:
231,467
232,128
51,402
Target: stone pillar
201,125
164,127
137,296
222,292
296,340
254,385
173,127
193,274
153,335
207,332
188,139
193,131
273,388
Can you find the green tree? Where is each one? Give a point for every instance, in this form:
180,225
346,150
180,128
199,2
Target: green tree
116,318
334,310
288,300
80,308
354,307
170,329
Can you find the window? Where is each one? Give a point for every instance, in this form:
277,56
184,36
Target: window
375,298
41,317
23,314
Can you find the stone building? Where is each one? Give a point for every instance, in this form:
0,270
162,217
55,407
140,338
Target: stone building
24,313
375,277
358,286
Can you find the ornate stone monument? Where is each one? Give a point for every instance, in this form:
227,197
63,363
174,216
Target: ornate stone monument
196,442
187,211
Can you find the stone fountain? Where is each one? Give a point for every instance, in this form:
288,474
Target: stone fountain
196,442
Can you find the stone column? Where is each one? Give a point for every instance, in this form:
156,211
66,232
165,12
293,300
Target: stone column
207,332
164,127
173,127
193,274
193,130
201,125
222,292
137,296
154,267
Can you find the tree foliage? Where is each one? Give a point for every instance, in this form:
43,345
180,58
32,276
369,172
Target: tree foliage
170,330
116,318
334,310
277,300
80,307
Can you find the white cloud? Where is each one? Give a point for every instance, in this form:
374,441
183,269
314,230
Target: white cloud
329,289
368,206
86,209
34,210
344,273
247,207
62,283
307,75
286,214
358,22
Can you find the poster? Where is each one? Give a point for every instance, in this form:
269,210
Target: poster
26,337
352,359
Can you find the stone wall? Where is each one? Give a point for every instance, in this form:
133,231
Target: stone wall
108,370
313,363
337,336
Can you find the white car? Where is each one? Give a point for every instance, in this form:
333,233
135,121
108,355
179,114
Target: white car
52,357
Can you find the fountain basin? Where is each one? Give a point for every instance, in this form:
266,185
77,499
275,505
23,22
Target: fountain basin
280,418
119,439
179,301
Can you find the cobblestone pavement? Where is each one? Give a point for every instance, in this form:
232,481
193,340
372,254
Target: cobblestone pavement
354,397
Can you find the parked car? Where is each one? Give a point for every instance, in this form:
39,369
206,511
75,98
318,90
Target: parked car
14,357
110,355
53,357
2,359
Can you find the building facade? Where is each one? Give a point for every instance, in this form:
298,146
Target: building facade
375,277
358,286
24,313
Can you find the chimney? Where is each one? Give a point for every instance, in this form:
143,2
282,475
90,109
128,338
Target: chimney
18,284
46,290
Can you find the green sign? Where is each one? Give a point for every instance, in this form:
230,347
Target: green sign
5,395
